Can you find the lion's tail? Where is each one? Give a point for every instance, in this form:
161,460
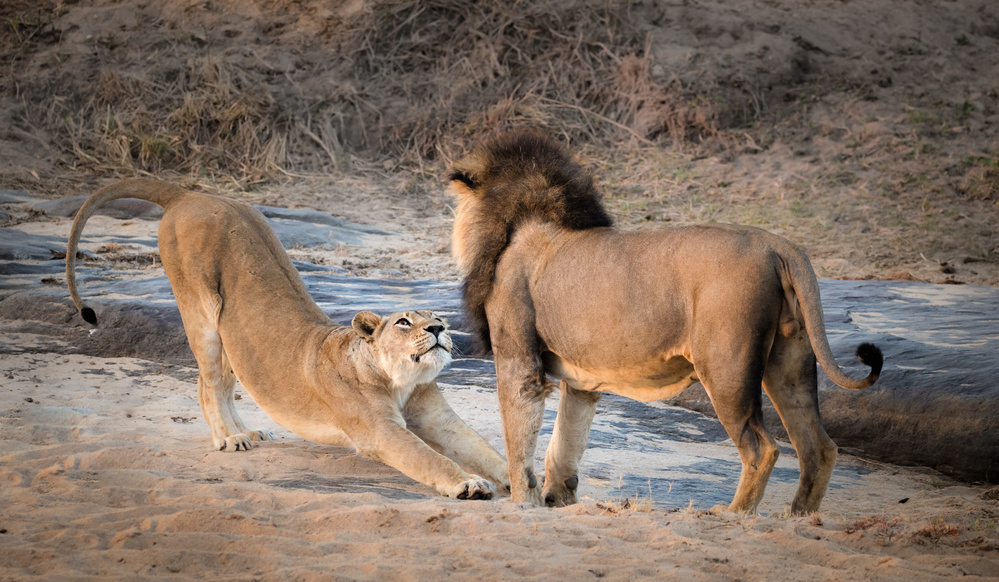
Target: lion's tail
806,287
159,193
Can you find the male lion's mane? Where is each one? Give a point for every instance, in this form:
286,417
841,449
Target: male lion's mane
515,177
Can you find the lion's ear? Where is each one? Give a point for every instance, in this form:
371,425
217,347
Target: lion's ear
365,323
463,183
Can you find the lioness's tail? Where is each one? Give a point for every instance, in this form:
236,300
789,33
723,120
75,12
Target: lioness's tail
156,192
806,287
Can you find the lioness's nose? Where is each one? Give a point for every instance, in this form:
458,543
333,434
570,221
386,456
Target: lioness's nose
435,330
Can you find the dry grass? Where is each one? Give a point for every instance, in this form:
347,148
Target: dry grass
411,81
876,179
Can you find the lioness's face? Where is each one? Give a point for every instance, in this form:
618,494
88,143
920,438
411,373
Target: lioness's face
412,347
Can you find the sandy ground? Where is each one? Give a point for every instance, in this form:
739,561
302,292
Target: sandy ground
107,471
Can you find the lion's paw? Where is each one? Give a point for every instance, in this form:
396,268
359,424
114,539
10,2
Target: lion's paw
474,488
560,497
560,492
722,510
236,442
262,434
530,496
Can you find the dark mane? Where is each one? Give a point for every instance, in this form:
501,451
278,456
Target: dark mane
514,177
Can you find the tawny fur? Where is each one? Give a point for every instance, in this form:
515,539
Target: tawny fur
556,292
247,314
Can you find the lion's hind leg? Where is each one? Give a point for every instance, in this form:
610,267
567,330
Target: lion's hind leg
792,385
732,382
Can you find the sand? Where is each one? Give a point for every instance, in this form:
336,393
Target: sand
107,471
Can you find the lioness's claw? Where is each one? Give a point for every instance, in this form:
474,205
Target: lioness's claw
476,488
262,434
236,442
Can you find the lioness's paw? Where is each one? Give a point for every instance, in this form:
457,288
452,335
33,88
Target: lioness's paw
236,442
260,435
475,488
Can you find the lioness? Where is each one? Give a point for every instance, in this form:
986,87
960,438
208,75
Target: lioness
247,314
554,290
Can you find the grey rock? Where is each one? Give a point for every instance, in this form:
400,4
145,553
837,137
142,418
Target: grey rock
295,228
121,208
934,404
308,228
307,235
19,246
316,217
14,197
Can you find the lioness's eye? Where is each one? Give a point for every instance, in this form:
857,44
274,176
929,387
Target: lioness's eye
403,323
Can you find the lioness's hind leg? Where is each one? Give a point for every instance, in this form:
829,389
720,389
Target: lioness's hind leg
229,401
791,382
576,409
216,381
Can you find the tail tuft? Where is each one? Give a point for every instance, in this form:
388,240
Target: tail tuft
90,317
870,355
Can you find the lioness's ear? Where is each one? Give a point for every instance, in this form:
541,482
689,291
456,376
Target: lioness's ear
365,323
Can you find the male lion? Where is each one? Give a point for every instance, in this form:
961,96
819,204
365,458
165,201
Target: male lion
554,290
247,314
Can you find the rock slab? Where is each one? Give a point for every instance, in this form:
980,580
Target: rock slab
934,404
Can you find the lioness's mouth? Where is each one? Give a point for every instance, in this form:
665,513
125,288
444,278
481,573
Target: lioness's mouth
416,357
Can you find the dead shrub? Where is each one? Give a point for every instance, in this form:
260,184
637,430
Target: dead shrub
415,81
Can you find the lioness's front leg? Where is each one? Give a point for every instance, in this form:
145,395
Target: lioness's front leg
384,439
522,391
572,431
430,417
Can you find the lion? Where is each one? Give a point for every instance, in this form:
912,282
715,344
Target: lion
553,290
247,315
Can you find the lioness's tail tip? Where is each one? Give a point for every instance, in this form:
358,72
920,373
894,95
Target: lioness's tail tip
870,355
88,315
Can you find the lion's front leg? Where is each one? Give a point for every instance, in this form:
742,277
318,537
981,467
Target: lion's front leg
522,391
576,409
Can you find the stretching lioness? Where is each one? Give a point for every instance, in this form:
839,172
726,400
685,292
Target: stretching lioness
247,314
556,292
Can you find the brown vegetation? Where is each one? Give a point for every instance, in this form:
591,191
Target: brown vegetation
866,133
